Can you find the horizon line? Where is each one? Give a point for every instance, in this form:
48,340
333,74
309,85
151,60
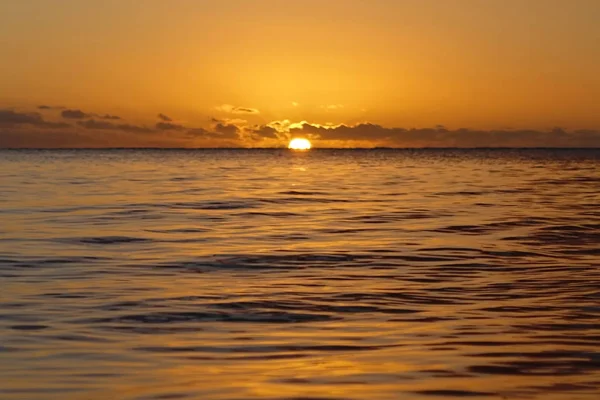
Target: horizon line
312,149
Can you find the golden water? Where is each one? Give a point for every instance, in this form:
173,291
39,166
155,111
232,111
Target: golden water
329,274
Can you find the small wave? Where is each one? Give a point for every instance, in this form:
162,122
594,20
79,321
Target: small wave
302,199
247,316
179,230
303,193
110,240
28,327
424,273
211,205
576,235
261,349
455,393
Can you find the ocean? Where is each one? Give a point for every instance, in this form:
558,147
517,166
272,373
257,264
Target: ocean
327,274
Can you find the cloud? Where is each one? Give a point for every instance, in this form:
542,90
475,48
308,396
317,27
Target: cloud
223,135
167,126
442,137
198,132
227,131
103,125
220,131
45,107
164,118
228,108
41,139
74,114
54,125
265,132
30,129
135,128
107,116
93,124
365,131
230,121
78,114
9,118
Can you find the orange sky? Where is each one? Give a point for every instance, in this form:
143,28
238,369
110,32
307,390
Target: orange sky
225,72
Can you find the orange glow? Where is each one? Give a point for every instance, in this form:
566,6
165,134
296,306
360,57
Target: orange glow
327,72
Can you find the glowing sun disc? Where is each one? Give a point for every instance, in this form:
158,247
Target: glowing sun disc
299,144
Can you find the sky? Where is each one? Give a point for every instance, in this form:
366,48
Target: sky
343,73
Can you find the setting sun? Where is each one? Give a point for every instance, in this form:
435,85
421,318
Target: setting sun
299,144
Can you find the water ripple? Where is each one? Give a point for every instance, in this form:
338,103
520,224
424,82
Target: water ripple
226,274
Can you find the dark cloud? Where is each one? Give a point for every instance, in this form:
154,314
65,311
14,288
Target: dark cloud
75,114
87,139
343,132
42,139
168,126
442,137
104,125
54,125
93,124
221,131
16,126
265,132
9,118
227,131
78,114
228,108
135,128
198,132
108,116
44,107
244,110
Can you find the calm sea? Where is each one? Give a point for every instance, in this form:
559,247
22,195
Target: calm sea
330,274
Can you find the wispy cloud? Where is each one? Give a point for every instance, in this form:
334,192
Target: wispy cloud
228,108
45,107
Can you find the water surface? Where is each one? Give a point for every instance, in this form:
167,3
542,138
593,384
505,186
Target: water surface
331,274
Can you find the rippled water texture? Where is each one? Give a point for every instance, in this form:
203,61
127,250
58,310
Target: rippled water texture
240,274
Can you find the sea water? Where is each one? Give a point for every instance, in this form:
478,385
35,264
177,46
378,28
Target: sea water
327,274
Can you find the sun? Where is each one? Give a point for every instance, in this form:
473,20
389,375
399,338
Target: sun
299,144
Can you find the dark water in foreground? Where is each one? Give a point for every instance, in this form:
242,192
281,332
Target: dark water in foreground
320,275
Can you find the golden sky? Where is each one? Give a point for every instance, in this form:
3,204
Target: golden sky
249,72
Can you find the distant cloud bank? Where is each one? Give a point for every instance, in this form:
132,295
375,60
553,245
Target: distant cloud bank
78,114
85,129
